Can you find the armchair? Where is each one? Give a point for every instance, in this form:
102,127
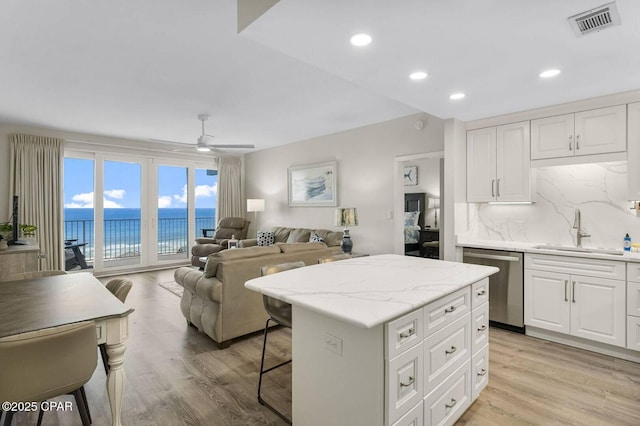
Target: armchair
228,227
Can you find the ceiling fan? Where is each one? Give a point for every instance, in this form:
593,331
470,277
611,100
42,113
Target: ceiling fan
203,145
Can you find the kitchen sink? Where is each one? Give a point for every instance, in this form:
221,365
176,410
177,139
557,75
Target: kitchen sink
580,249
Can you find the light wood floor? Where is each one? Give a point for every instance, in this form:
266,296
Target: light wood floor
178,376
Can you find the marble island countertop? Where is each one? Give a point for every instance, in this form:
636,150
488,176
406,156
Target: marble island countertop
368,291
528,247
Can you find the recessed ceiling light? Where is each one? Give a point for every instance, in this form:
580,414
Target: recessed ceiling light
418,75
549,73
361,39
456,96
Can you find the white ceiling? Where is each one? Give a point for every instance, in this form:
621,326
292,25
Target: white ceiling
145,69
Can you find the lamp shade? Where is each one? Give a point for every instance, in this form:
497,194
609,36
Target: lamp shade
435,202
255,205
346,217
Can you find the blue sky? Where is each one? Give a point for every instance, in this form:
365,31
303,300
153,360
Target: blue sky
122,183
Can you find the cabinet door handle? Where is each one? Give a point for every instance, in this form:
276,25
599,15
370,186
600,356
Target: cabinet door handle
408,383
570,143
483,327
577,142
410,332
451,404
449,309
481,293
493,187
498,187
482,372
573,291
450,351
566,284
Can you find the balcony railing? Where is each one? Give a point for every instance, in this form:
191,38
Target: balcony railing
122,236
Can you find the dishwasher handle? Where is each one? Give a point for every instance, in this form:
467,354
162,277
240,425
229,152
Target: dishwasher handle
491,256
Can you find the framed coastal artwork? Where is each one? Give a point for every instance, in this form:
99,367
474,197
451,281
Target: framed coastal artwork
313,185
410,175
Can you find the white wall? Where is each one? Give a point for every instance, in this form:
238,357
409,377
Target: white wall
365,158
106,144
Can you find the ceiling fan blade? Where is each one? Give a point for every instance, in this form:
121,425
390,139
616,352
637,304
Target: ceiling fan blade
241,146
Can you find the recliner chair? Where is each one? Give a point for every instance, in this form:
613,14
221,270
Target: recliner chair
228,227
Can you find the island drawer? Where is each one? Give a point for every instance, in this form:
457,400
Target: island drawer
447,403
405,383
479,293
480,328
403,333
445,351
415,417
444,311
479,372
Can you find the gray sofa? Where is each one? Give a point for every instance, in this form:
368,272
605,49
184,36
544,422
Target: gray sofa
300,235
216,301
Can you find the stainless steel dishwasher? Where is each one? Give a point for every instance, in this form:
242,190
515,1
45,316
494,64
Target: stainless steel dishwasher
506,288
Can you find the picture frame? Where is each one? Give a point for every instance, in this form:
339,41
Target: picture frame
313,185
410,175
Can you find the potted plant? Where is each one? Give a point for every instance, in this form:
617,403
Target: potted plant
6,230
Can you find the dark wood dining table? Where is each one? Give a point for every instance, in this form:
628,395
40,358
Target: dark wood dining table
39,303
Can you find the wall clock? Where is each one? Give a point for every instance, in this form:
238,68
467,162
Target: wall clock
410,175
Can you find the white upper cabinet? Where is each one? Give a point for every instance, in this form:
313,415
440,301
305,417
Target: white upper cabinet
633,153
513,174
481,165
498,164
598,131
552,137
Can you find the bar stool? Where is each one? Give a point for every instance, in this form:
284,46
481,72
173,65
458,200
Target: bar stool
280,313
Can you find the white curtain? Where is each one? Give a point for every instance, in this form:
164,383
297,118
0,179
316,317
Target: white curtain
36,178
230,193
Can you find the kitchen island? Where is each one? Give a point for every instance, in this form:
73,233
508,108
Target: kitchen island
385,340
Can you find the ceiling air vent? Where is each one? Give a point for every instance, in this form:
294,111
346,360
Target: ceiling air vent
595,20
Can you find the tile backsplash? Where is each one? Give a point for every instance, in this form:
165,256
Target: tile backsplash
598,190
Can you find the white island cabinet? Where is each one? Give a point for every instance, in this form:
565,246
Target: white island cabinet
385,340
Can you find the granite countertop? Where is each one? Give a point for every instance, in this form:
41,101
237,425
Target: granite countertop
527,247
368,291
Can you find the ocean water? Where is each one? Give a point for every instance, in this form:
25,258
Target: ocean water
122,230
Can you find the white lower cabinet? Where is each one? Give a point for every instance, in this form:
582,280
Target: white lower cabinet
415,417
443,365
566,302
450,399
479,328
633,306
479,372
404,382
446,350
633,333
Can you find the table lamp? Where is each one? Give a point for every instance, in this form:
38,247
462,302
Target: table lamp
435,202
346,217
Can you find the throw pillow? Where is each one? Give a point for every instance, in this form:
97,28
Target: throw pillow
315,238
411,218
299,235
266,238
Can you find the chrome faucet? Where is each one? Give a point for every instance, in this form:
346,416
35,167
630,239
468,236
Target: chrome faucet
576,225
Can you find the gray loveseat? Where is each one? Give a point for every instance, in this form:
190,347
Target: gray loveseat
216,301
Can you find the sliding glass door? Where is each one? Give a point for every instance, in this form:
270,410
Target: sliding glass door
122,213
150,211
172,213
